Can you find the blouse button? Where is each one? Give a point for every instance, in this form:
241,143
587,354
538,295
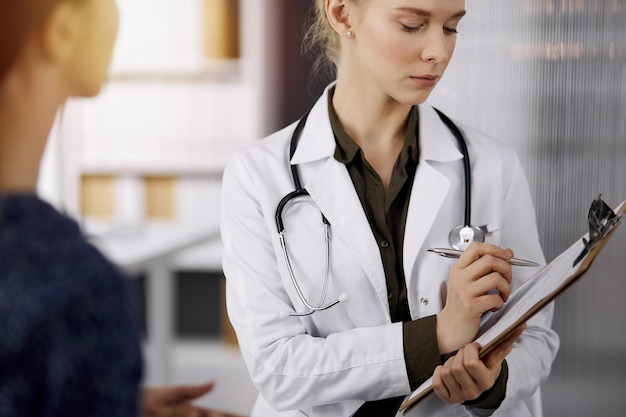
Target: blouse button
384,244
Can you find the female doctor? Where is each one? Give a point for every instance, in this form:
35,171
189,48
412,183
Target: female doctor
338,307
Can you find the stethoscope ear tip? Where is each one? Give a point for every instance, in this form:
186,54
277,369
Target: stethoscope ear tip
283,314
343,297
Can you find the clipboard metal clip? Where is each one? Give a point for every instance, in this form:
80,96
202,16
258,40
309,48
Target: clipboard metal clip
601,221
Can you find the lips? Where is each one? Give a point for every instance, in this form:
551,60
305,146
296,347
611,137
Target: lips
425,80
426,77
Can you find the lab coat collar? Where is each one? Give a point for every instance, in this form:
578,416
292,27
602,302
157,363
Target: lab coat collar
436,141
437,144
317,140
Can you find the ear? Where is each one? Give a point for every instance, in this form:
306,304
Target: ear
61,31
337,12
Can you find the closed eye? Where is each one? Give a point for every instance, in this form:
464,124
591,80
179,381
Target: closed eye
412,28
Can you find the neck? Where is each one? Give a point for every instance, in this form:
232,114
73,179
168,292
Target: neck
375,121
369,117
27,112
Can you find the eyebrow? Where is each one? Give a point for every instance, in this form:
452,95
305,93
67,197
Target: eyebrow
426,13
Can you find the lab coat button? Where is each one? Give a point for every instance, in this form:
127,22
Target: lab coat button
424,301
384,244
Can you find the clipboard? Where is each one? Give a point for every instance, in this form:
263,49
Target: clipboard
542,288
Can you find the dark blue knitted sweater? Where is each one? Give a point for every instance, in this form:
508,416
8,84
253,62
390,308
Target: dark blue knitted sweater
69,344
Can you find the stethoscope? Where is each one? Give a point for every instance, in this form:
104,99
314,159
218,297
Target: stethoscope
460,237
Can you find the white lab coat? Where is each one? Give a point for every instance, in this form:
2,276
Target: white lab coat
330,363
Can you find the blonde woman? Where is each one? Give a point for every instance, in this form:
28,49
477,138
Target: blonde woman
338,307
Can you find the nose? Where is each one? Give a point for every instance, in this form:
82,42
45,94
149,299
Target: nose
436,47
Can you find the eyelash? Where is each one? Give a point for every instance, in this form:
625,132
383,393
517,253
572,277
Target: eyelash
411,29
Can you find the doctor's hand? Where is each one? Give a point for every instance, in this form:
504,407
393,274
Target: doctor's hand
464,377
176,401
479,281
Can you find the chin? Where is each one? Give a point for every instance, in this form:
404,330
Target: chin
411,98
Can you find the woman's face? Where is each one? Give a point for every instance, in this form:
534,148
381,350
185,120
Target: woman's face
402,47
90,63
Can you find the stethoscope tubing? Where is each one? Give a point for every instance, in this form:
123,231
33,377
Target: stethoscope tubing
466,166
302,192
320,306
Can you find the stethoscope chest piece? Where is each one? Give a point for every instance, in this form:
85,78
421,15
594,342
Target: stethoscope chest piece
461,236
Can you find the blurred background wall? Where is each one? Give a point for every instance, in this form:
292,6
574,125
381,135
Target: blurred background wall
195,80
549,78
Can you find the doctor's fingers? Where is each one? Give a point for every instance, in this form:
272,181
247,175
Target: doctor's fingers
463,377
446,388
466,376
485,303
465,290
474,375
494,283
484,265
477,250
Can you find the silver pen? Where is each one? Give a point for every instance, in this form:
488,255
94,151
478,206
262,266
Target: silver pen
455,254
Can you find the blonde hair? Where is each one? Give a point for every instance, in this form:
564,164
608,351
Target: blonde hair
321,41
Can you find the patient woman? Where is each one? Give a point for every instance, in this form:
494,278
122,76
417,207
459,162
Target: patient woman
69,342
